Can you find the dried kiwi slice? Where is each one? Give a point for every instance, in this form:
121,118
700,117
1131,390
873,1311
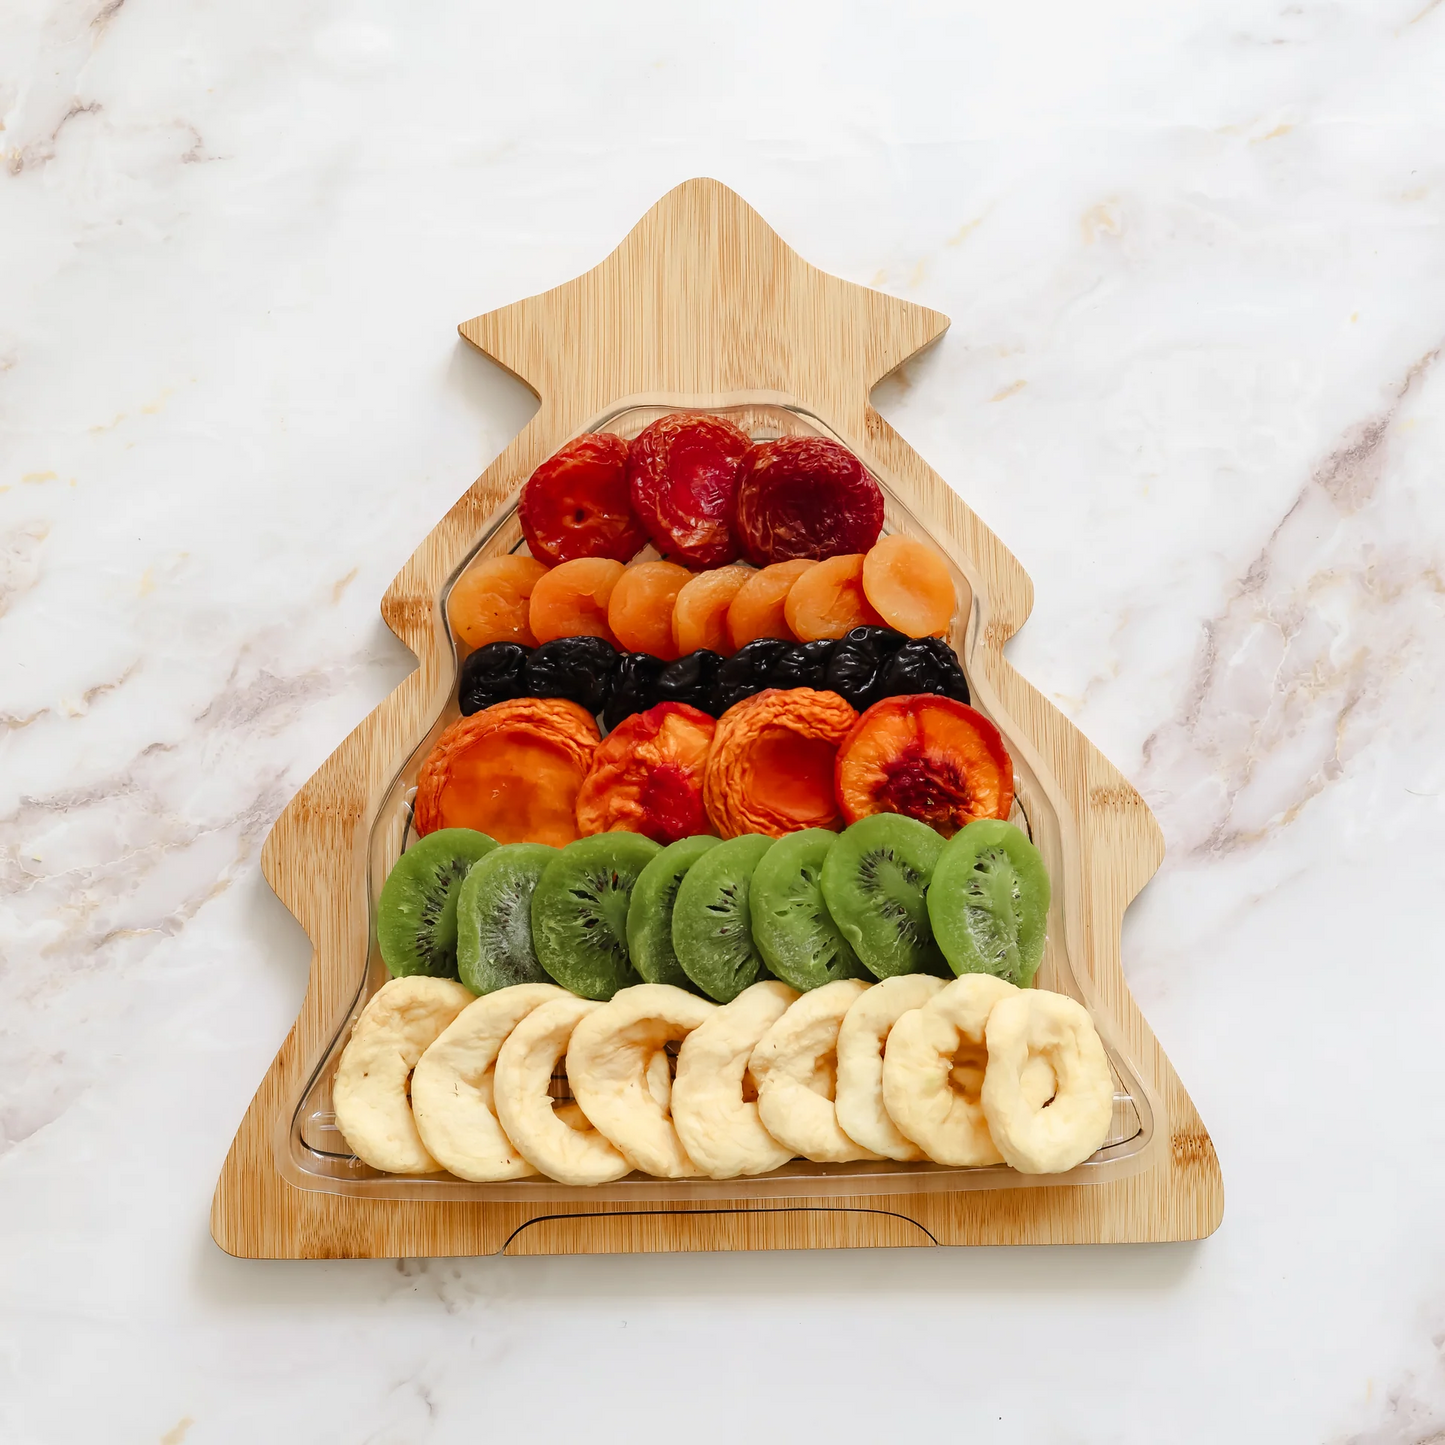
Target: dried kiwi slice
711,922
649,915
416,914
989,902
579,912
875,882
494,918
792,927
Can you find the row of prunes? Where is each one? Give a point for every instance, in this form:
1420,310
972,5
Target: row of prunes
865,665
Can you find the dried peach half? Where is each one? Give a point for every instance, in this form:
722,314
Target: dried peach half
491,600
647,776
511,771
927,757
773,762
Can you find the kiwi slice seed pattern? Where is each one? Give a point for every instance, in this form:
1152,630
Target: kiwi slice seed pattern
416,913
649,915
792,927
494,918
712,922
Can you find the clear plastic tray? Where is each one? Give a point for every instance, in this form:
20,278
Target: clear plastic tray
311,1152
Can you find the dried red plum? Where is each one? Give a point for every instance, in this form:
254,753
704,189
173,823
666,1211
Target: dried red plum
856,670
682,475
803,665
634,686
925,664
749,670
694,680
493,673
577,503
577,668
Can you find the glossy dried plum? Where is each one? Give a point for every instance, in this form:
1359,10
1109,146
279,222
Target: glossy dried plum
925,664
634,686
750,669
694,680
803,665
577,668
491,674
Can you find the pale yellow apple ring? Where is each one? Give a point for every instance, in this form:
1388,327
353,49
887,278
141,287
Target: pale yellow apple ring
617,1068
795,1065
716,1121
861,1040
1037,1030
452,1086
369,1093
526,1109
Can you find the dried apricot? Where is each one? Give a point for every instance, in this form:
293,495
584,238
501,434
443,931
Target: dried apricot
491,600
773,763
647,776
577,503
700,614
511,771
908,584
757,610
927,757
640,609
828,600
571,600
805,497
683,472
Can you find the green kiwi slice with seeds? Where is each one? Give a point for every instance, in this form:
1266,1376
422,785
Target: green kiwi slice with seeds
875,882
579,912
711,921
792,927
416,914
494,918
649,916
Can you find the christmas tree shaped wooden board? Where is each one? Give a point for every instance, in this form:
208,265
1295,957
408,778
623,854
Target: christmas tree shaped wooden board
703,307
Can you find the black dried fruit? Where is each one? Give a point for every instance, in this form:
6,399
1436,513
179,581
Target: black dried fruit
925,664
634,686
694,680
803,665
749,670
491,674
860,659
881,641
577,668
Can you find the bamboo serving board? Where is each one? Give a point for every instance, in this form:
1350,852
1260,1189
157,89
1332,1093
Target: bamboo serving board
701,304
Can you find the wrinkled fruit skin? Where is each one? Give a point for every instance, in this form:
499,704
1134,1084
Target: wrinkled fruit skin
857,668
803,665
577,503
682,475
925,664
647,776
577,668
491,674
634,686
805,497
749,669
694,680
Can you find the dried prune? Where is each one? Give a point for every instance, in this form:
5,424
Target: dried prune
682,473
860,660
925,664
577,668
694,680
805,497
803,665
750,669
491,674
577,503
634,686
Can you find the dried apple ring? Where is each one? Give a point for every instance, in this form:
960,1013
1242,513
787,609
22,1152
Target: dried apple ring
511,771
491,601
552,1144
828,600
452,1085
861,1041
612,1062
369,1092
795,1065
1032,1032
773,762
714,1096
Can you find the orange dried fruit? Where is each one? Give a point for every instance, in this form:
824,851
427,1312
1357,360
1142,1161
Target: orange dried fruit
927,757
640,609
571,600
828,600
491,601
757,610
647,775
773,762
511,771
908,583
700,614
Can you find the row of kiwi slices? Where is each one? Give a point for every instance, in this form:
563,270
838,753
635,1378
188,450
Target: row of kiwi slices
887,896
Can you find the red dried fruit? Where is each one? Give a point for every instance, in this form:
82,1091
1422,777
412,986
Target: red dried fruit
576,504
805,497
683,474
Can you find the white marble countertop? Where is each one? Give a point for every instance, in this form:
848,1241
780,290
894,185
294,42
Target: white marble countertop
1195,263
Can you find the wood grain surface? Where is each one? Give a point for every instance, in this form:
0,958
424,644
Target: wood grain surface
700,301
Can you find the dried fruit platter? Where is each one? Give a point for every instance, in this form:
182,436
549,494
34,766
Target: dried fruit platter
704,312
